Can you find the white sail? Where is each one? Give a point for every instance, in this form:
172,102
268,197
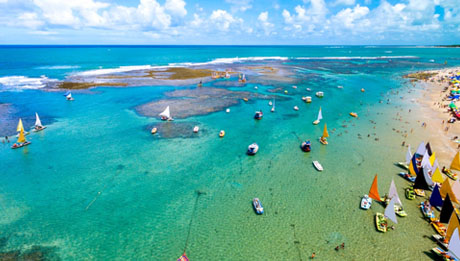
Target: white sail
428,177
421,149
69,96
166,113
435,165
38,123
454,245
390,211
426,161
392,193
408,156
320,115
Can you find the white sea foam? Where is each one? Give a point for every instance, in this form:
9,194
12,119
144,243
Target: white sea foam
122,69
22,82
59,67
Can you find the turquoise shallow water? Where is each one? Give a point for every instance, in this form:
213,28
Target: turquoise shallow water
95,185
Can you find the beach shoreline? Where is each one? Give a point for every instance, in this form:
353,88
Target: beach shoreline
434,108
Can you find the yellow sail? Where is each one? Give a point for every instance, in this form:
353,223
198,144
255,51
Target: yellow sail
456,162
20,126
453,224
437,176
446,189
325,133
21,137
432,158
411,169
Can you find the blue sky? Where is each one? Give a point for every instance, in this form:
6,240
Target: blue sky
336,22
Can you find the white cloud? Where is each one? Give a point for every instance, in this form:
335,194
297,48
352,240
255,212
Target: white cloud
176,7
239,5
223,20
265,24
344,2
308,19
347,17
197,21
29,20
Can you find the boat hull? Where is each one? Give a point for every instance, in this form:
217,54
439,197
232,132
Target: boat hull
317,166
20,145
257,205
366,202
381,223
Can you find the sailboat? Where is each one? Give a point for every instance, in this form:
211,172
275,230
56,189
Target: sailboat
38,124
183,257
165,115
381,220
405,165
273,107
69,96
393,194
21,142
366,201
323,139
455,162
320,117
453,252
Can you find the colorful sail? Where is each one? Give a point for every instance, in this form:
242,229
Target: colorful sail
436,199
393,193
446,189
432,158
413,170
456,162
456,188
408,155
390,211
428,149
183,258
374,191
21,137
453,224
421,181
325,133
421,149
437,176
20,126
38,123
446,210
454,245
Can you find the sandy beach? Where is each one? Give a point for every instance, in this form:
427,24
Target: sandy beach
434,106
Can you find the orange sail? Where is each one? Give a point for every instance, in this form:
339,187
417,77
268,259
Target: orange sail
325,133
456,162
374,191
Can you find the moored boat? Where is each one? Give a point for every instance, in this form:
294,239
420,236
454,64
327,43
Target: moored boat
258,208
253,149
273,107
258,115
400,211
407,176
320,94
419,192
317,165
410,194
366,202
296,108
222,133
245,99
21,142
426,210
306,146
381,222
443,254
323,138
196,129
154,130
439,227
308,99
353,114
227,110
449,173
440,240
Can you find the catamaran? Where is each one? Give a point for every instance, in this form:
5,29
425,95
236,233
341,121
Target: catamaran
165,115
323,139
273,108
69,96
38,124
21,142
320,117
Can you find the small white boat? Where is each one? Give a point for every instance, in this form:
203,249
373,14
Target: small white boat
308,99
222,133
256,87
320,94
253,149
154,130
308,89
270,103
166,115
317,165
340,87
196,129
296,108
273,107
366,202
227,110
320,117
294,87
